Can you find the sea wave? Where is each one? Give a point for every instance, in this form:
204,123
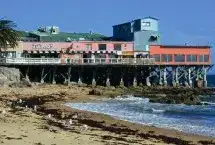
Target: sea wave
191,119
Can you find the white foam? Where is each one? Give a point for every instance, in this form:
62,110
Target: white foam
157,110
139,110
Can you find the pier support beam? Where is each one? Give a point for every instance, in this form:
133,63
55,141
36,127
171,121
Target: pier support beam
108,82
94,80
164,77
69,76
173,78
53,75
189,77
186,76
135,82
80,81
26,74
176,76
205,77
135,78
42,76
160,77
122,82
148,81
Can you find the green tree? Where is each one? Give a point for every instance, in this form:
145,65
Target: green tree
9,36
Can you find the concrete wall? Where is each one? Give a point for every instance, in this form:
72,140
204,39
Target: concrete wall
142,39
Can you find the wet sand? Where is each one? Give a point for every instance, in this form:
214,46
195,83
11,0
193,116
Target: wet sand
24,126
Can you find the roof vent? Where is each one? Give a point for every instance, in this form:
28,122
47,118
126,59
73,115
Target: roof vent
48,29
81,39
68,39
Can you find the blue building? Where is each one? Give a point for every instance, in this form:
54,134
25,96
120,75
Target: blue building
143,32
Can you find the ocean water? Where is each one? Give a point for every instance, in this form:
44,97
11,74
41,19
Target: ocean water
191,119
211,80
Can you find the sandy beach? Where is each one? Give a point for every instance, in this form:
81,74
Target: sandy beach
22,125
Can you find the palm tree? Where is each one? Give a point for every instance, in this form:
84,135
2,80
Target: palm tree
9,37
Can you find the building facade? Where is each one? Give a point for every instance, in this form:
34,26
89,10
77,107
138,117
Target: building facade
143,32
139,38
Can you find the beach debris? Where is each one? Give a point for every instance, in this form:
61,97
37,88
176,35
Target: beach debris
49,116
84,128
52,129
3,112
20,101
67,123
75,116
63,115
26,106
70,121
35,108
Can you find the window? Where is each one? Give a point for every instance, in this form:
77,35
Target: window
201,58
166,57
206,58
179,58
145,24
102,46
191,58
156,57
88,46
117,47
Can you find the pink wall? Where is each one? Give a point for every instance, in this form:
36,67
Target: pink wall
45,45
77,46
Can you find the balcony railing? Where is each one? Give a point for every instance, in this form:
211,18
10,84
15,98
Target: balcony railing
90,61
84,61
32,61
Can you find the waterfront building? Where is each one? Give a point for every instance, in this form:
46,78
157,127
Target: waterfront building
135,44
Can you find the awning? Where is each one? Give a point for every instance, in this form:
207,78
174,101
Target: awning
40,52
90,52
128,53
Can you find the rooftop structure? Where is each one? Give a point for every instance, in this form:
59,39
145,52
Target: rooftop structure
143,32
53,34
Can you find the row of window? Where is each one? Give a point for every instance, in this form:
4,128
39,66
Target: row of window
180,58
117,47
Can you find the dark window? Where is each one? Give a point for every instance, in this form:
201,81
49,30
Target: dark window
201,58
191,58
146,24
157,57
117,47
206,58
88,46
179,58
102,46
166,57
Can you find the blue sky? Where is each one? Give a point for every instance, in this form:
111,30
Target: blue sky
182,21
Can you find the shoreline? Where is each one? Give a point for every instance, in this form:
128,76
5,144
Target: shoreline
49,99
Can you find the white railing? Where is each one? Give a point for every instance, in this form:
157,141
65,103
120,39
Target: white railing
129,61
33,61
85,61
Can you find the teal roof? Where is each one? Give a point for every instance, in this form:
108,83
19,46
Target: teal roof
24,33
61,36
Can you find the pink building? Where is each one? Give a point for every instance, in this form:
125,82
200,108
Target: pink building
78,49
